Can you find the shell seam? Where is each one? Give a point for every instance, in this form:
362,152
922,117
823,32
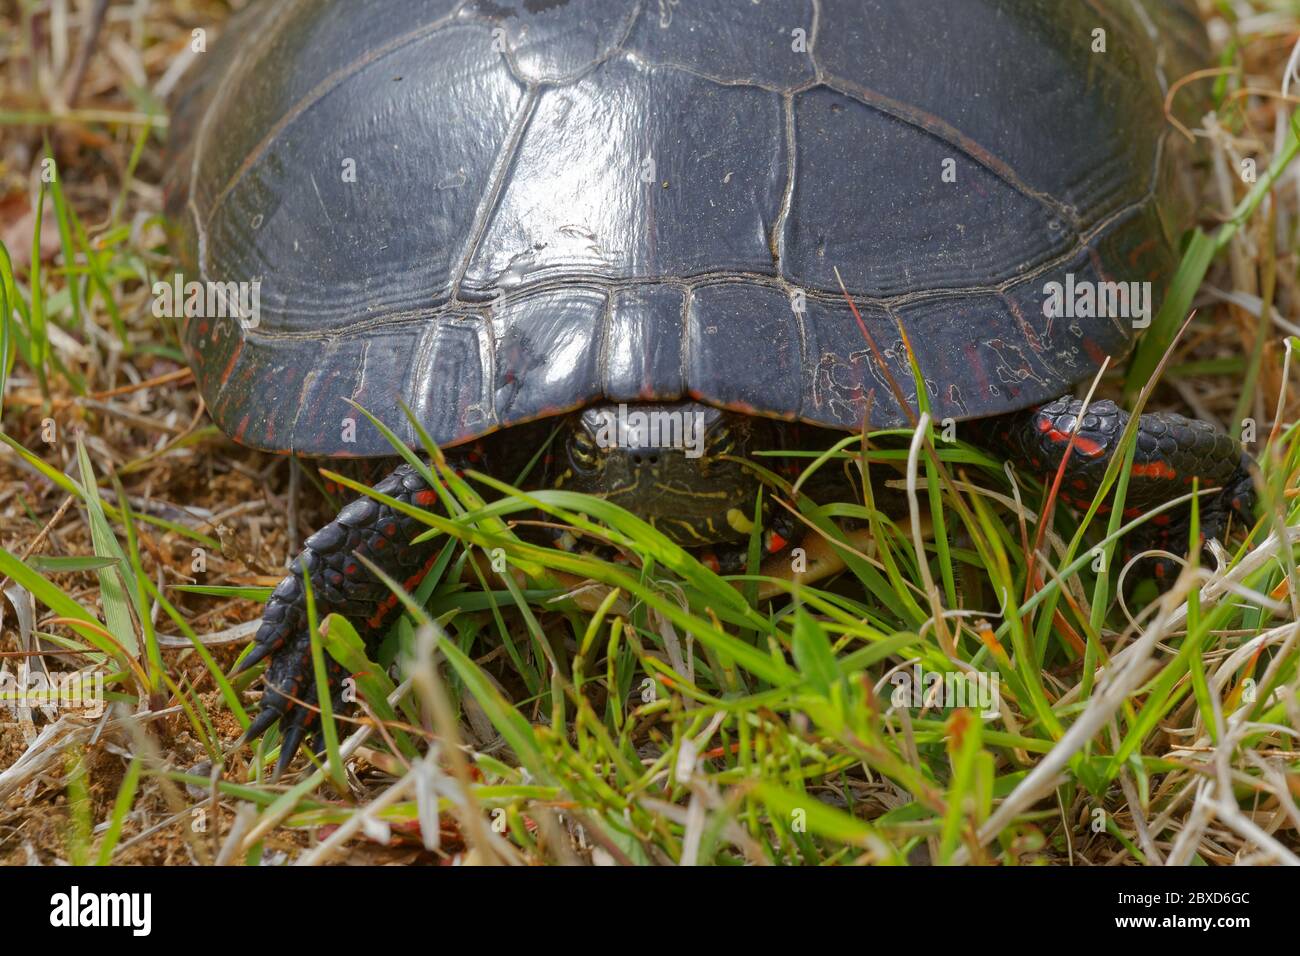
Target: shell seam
496,185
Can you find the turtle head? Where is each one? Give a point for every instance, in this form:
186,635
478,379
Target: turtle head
670,464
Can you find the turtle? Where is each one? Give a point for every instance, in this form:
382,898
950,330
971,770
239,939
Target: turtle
742,221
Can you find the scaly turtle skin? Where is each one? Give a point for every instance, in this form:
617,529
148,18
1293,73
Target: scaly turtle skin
499,213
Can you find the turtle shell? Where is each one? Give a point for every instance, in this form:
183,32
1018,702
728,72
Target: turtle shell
492,212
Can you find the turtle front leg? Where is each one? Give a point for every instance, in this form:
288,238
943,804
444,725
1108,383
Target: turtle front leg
341,584
1171,452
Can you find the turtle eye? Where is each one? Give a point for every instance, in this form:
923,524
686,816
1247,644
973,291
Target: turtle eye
721,441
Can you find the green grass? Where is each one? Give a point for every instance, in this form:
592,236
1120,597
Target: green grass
753,712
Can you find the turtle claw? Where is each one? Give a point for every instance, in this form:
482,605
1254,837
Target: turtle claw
260,725
250,659
342,585
286,679
293,737
290,698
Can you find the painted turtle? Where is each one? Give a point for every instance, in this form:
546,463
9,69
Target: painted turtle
500,213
